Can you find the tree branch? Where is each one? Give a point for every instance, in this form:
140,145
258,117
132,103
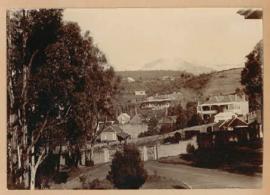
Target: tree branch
99,132
41,157
29,69
38,135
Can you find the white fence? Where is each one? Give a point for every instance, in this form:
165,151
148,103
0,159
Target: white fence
176,149
153,152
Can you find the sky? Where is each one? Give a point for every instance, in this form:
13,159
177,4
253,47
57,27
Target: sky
218,38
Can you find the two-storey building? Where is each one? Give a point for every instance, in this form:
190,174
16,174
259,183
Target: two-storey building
232,103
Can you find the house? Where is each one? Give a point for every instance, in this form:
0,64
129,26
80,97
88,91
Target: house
223,132
156,104
230,124
167,121
102,124
140,93
234,129
130,79
171,78
113,133
160,102
108,134
223,103
123,118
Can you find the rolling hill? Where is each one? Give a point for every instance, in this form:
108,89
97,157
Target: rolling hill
224,82
193,87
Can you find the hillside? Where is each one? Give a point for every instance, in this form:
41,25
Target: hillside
149,74
192,87
223,82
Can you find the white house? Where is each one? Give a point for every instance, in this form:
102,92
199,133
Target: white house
108,134
113,133
140,93
130,79
156,104
160,102
224,103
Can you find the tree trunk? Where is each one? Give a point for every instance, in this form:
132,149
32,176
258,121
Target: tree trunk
59,161
24,123
34,166
91,152
19,161
33,177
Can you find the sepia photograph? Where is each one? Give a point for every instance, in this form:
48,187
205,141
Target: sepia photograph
134,98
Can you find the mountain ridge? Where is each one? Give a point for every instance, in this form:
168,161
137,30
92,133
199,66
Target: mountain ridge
176,64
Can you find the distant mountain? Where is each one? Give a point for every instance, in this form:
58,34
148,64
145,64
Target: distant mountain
176,64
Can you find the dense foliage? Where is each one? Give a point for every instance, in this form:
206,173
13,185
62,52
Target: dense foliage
59,87
251,77
184,118
127,170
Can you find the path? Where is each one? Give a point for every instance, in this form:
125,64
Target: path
196,178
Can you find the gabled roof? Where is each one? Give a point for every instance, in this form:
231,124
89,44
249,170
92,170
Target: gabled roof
234,122
237,122
225,114
123,135
116,129
225,99
219,123
109,129
113,128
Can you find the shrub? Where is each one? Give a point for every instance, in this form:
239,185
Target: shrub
190,149
46,170
149,133
165,129
173,139
196,119
60,177
127,170
169,140
177,136
19,186
96,184
83,180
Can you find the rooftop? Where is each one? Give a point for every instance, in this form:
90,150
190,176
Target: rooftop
225,98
